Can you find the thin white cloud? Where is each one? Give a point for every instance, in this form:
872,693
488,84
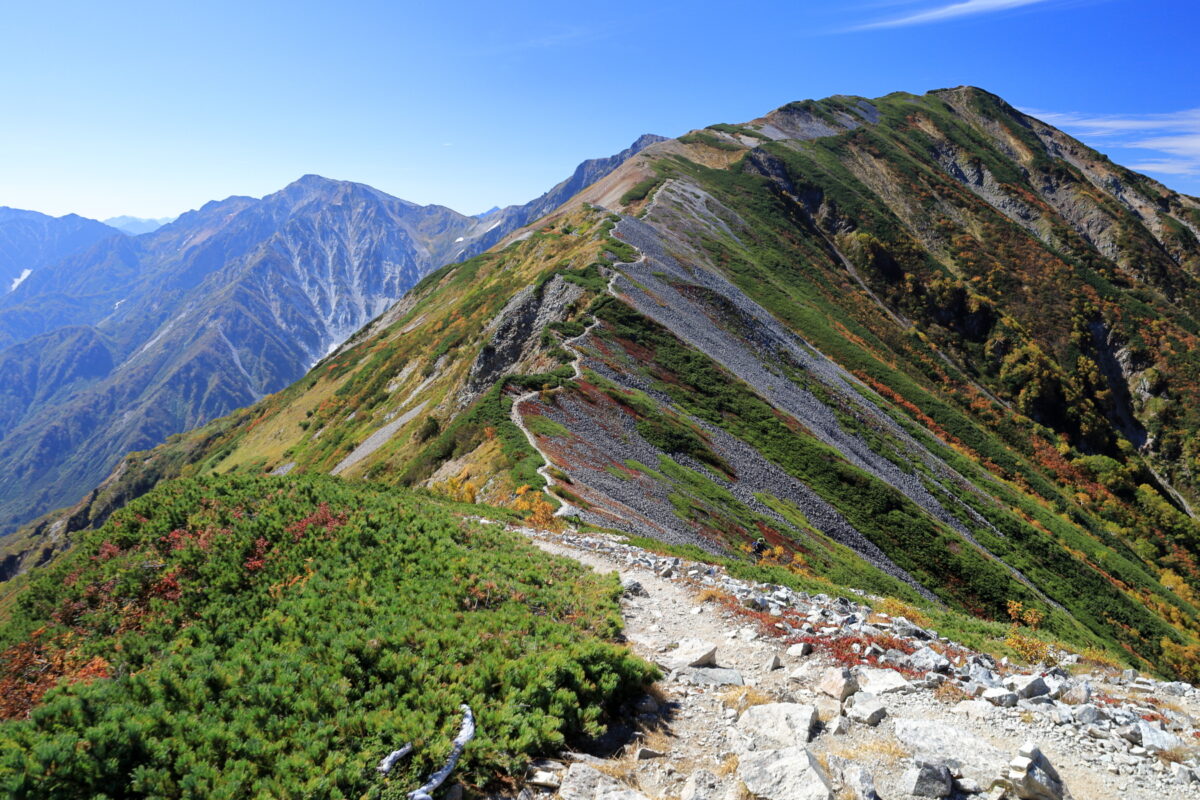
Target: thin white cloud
1172,140
950,11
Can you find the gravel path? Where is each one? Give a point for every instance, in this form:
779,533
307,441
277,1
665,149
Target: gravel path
695,725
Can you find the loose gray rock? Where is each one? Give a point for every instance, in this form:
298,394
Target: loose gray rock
634,588
701,785
717,676
940,743
690,653
1078,694
929,660
774,726
882,681
866,709
792,773
861,783
583,783
1000,697
927,780
1033,777
838,683
1027,686
1155,739
544,778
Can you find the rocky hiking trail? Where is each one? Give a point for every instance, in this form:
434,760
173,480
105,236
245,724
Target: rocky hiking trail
777,694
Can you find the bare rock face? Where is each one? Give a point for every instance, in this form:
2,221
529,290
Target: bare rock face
514,332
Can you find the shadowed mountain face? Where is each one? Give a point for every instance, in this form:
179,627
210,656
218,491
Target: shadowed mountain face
924,346
127,340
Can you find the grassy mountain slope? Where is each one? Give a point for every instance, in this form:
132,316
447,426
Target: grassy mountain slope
925,346
257,636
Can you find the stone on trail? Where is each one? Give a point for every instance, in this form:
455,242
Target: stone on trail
867,710
1078,694
792,773
929,660
1155,739
827,707
1033,777
838,683
860,782
1027,686
545,779
1088,714
973,709
882,681
924,779
701,785
583,783
773,726
941,743
1000,697
800,649
1181,773
773,663
718,676
690,653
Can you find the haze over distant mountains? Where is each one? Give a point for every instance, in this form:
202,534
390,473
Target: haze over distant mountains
112,342
136,226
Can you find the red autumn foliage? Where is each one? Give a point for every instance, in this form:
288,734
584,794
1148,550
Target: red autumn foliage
31,668
258,555
322,518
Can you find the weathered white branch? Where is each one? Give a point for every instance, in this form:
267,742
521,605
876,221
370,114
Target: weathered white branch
390,760
465,734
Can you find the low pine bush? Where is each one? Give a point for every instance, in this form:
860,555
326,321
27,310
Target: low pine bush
259,636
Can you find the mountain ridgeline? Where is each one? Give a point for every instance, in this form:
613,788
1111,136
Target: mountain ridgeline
923,346
125,340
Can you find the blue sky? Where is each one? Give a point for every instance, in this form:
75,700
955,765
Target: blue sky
154,108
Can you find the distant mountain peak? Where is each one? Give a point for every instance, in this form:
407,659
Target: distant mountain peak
136,226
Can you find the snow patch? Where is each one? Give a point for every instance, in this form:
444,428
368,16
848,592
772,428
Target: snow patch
117,304
17,281
459,239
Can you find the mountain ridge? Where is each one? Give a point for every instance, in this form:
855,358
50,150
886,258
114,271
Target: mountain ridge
879,334
205,314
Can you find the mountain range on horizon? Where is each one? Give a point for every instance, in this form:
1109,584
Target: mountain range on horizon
113,342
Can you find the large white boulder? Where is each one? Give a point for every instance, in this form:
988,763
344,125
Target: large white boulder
774,726
882,681
791,773
689,653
